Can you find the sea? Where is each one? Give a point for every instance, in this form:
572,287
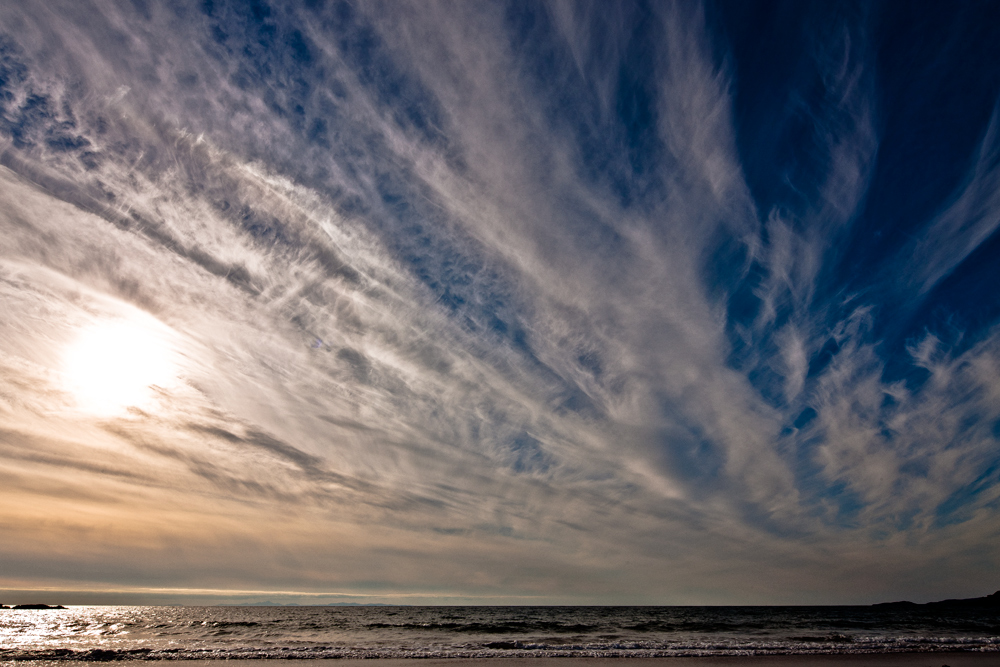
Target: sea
102,633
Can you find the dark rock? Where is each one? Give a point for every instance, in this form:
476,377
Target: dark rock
37,606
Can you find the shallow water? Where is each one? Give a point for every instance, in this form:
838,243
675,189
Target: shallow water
156,633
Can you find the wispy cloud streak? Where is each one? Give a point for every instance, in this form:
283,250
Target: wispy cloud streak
484,300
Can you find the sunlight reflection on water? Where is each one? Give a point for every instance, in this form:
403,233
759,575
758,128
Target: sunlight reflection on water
156,633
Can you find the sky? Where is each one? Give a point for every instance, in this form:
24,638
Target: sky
500,302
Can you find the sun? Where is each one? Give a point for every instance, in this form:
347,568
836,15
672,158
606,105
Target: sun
117,364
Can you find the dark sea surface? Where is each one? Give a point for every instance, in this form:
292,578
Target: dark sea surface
156,633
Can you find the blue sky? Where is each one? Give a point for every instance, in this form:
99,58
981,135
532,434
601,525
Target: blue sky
562,302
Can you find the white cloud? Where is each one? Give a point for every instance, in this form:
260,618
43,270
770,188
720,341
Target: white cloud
550,409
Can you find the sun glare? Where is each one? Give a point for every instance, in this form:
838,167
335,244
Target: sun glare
115,365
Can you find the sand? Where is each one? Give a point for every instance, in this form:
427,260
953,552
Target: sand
871,660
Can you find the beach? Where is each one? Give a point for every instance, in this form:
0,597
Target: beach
937,659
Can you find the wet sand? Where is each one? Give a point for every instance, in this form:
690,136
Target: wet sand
991,659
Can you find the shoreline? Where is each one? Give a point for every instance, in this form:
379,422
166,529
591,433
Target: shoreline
916,659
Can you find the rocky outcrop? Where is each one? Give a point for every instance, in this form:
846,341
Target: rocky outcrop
37,606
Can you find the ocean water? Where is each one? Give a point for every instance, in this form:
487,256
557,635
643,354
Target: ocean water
156,633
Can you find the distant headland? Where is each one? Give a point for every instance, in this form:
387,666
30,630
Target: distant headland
32,606
988,602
